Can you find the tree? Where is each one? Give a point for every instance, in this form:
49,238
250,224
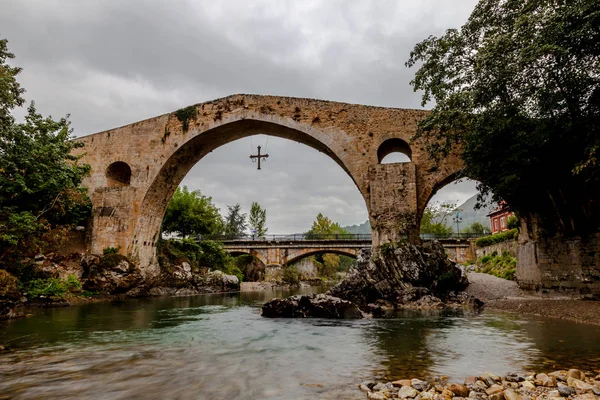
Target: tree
257,220
235,221
40,180
517,93
322,225
476,227
191,213
435,217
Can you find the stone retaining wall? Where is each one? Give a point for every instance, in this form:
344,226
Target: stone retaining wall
560,264
508,245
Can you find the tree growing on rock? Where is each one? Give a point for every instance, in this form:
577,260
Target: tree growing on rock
517,91
40,180
258,220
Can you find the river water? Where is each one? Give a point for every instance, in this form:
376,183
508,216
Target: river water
219,347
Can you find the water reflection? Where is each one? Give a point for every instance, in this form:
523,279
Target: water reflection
218,346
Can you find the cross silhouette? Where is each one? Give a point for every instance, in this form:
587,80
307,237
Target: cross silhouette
258,157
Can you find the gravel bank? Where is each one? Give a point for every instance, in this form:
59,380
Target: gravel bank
502,295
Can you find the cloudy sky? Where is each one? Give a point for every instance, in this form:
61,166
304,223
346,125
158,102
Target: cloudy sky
110,63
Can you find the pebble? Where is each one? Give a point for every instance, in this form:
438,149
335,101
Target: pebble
376,396
406,392
528,385
575,373
420,385
459,390
510,394
402,382
578,384
565,391
494,389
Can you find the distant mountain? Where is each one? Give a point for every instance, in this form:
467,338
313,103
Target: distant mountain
469,214
364,228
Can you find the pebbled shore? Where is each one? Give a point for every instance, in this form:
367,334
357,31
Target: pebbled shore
557,385
502,295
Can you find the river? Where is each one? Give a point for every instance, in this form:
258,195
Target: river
219,347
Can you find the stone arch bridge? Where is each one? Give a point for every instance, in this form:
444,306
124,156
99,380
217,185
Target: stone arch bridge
136,168
284,251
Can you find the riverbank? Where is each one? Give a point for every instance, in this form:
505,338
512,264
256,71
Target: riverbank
502,295
556,385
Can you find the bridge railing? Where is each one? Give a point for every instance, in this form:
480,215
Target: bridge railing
288,237
340,236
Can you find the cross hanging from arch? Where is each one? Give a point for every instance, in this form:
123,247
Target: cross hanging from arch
258,157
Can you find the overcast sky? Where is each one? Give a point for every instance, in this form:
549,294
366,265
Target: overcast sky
111,63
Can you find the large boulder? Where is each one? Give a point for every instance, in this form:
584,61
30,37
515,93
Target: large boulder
111,274
311,306
402,273
394,276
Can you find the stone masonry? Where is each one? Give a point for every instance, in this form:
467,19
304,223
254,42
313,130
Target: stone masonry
136,168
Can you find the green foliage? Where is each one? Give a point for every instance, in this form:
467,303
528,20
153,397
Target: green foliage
235,221
111,250
330,266
10,90
435,218
191,213
205,254
476,227
258,220
184,115
322,225
497,238
291,275
39,177
503,266
513,222
517,91
52,287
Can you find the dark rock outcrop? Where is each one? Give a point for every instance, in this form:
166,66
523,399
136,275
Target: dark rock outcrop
311,306
402,273
394,276
111,274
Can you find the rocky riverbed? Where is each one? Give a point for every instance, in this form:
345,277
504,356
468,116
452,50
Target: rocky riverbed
557,385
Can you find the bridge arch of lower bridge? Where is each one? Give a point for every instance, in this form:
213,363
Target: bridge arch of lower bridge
285,255
135,169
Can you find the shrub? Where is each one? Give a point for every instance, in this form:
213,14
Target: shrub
111,250
503,266
53,287
291,275
497,238
513,222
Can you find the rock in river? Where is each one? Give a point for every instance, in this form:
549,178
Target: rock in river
311,306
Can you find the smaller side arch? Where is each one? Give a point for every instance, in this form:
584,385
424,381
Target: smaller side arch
254,253
118,174
297,256
393,145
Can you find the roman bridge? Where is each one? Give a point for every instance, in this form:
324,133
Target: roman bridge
136,168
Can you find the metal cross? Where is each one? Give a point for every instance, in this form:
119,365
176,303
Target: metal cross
258,157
